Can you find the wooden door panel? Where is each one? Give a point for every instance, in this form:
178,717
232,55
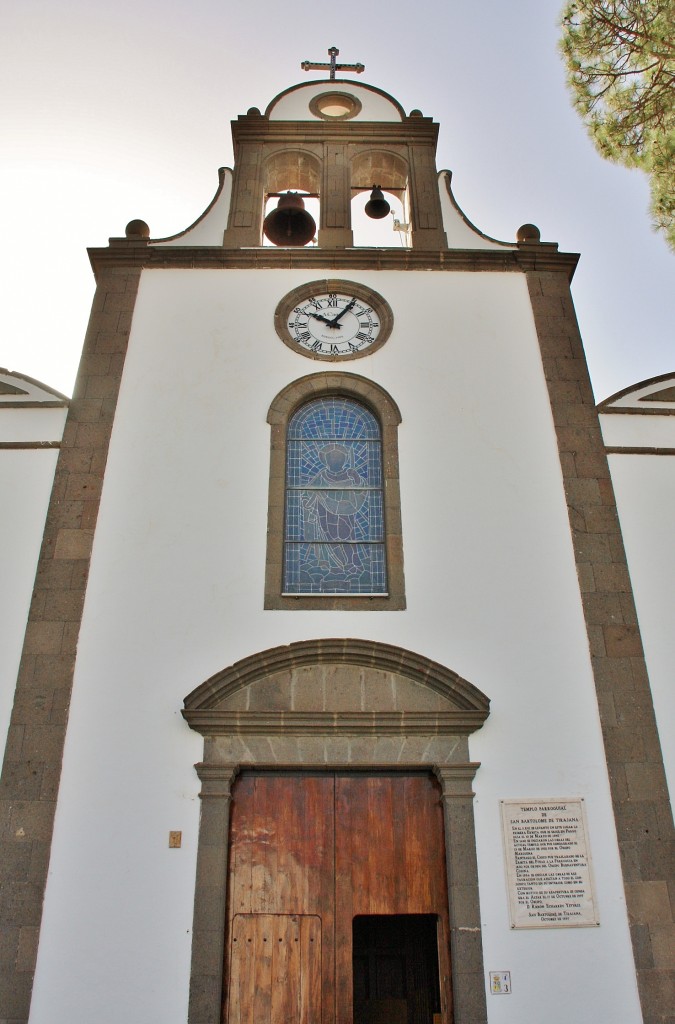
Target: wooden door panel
275,975
389,859
281,863
282,838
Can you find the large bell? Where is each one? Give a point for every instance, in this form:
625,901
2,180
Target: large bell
289,223
377,206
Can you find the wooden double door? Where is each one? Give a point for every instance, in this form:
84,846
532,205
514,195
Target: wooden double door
337,900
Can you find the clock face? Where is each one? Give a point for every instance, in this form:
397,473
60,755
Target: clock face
333,320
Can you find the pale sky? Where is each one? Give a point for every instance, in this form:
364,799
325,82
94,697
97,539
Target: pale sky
113,111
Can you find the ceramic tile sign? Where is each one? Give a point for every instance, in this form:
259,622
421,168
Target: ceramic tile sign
500,983
548,864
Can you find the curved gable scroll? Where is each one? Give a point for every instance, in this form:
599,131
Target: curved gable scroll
334,687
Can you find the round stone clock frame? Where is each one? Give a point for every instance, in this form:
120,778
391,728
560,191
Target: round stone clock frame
333,320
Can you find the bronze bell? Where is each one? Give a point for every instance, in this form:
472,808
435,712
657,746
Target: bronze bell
377,206
289,223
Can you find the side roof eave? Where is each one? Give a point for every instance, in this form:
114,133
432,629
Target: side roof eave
611,404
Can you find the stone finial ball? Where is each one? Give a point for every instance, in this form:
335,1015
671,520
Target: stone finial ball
253,112
137,229
416,113
528,233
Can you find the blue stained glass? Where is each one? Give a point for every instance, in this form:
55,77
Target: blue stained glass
333,569
336,418
354,463
334,534
346,516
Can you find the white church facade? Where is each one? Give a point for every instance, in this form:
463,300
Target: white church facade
337,620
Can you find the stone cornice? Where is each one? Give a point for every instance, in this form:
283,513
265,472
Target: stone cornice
629,410
412,130
447,774
522,258
336,723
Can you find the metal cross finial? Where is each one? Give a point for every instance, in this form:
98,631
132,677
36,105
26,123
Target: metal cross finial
308,65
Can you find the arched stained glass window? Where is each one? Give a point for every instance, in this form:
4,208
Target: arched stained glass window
334,537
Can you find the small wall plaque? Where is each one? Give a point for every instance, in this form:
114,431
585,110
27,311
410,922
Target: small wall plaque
500,983
175,840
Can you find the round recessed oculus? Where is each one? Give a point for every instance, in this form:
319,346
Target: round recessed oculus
335,106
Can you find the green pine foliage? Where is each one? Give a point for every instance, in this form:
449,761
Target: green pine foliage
620,57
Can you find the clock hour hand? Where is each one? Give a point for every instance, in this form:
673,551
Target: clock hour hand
324,319
334,323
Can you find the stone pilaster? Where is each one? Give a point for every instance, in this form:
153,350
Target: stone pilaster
425,203
208,933
466,945
335,230
246,208
635,764
32,766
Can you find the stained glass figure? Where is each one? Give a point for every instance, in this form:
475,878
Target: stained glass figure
334,533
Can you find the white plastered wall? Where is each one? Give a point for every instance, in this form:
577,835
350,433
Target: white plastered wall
176,593
644,484
26,477
634,431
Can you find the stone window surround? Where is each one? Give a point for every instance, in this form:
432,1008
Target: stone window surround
278,740
386,411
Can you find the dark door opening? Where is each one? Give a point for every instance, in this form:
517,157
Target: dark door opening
395,969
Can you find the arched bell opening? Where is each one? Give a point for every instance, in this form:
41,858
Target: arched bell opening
291,184
386,232
379,179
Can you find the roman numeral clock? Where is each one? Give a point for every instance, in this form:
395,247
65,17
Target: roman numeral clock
333,320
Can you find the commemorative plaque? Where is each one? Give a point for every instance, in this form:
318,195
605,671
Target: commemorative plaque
548,864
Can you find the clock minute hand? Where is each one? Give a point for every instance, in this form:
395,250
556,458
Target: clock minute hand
334,323
324,319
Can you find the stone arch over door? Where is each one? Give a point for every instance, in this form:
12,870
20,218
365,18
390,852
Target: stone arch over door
327,704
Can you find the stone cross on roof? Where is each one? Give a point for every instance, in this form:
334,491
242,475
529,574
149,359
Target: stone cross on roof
308,65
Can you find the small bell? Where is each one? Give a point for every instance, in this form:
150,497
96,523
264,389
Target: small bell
377,206
289,223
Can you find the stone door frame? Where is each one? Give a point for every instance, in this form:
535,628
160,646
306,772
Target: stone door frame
237,738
